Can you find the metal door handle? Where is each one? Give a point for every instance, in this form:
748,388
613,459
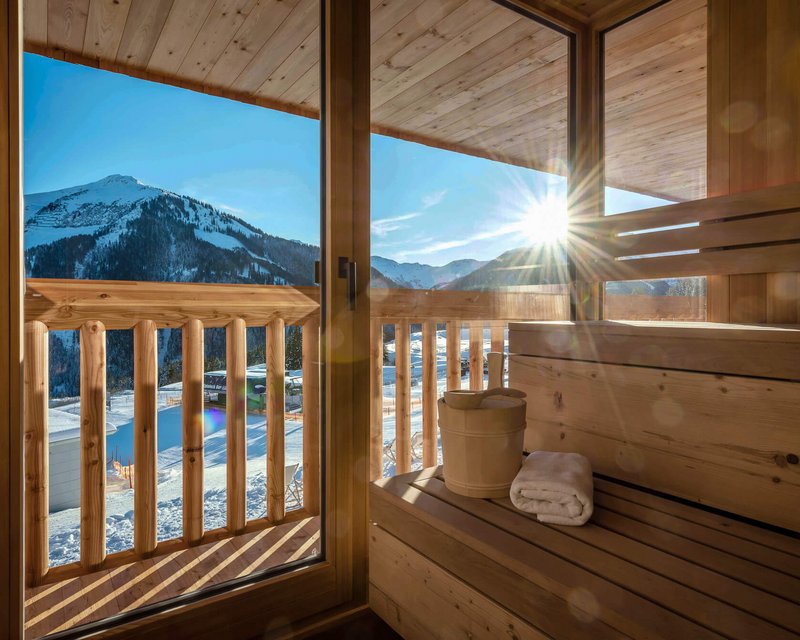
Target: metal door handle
348,269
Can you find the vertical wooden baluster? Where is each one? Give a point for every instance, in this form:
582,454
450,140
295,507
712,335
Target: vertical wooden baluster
37,394
311,426
192,334
498,336
276,375
402,363
453,328
145,436
376,400
429,412
476,356
236,422
93,444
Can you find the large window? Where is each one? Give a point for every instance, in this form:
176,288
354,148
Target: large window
655,77
469,189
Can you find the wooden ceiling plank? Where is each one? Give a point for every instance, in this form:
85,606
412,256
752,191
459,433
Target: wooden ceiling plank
219,28
656,125
34,21
305,87
507,47
180,30
385,14
529,90
549,118
692,92
449,51
510,67
616,65
652,20
104,28
414,24
302,20
141,32
304,57
66,24
494,77
259,26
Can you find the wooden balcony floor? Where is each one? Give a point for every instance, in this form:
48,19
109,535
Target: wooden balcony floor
88,598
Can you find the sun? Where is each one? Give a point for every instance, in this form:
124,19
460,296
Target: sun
544,219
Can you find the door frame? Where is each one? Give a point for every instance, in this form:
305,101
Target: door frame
276,605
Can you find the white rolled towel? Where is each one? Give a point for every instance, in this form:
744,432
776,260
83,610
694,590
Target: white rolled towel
557,487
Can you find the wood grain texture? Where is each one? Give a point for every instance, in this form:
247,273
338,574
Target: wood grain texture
37,400
765,352
429,413
145,436
312,443
705,437
93,444
476,356
276,406
12,276
376,400
236,423
402,340
643,581
192,415
453,333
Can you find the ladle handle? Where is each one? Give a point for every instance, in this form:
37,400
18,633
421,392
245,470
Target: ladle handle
496,369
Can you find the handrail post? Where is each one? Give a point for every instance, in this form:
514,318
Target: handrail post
429,412
402,369
145,430
36,395
93,444
236,423
376,400
311,422
276,377
453,330
192,334
476,356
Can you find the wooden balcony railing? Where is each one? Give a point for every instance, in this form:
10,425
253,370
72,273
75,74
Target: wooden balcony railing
95,307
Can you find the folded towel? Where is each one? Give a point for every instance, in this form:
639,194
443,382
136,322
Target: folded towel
557,487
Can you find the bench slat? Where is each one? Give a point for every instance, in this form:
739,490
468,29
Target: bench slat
788,543
691,603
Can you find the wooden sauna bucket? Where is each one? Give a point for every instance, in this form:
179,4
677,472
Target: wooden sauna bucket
482,448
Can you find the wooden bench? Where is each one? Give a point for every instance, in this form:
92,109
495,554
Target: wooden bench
445,566
647,565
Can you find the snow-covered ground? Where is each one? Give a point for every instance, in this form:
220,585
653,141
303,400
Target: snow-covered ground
65,525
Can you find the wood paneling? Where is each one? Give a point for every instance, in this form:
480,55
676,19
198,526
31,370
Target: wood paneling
476,356
755,56
402,362
453,331
709,438
429,394
655,102
765,352
11,323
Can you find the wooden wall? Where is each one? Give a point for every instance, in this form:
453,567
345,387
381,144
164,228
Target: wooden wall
10,323
753,136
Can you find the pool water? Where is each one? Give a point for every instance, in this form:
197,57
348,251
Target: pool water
119,445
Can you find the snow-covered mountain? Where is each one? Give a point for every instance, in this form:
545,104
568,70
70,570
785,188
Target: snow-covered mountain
118,228
414,275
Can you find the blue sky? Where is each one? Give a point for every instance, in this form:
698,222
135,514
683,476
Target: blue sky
428,205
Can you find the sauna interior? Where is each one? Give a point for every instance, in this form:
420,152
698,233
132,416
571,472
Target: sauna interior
652,322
